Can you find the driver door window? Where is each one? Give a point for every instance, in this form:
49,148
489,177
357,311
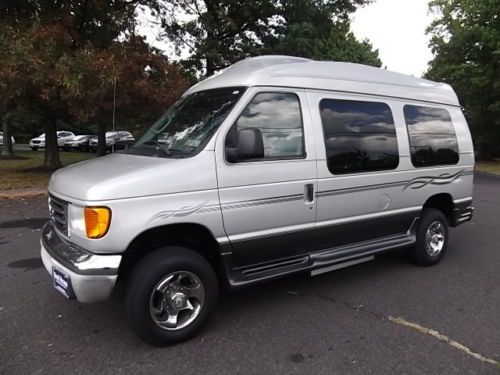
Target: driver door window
278,117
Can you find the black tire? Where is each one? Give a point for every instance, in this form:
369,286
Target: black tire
422,253
34,148
145,277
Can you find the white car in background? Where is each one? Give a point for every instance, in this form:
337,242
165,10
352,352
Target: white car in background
119,139
11,138
62,136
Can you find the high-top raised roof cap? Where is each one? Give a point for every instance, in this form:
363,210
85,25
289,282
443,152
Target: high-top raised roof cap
289,71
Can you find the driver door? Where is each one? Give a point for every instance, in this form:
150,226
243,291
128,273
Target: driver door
268,203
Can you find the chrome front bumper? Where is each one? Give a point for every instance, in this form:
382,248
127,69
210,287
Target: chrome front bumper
92,276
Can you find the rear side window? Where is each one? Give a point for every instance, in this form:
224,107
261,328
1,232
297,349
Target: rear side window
359,136
279,119
432,137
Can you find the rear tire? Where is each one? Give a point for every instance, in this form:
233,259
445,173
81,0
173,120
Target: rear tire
170,294
432,238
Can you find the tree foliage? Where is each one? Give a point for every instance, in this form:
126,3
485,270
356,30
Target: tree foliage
62,59
307,29
465,40
217,33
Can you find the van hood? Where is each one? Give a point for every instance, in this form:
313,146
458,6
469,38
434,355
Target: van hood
120,176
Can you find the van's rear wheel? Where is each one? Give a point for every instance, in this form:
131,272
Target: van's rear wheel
432,238
170,294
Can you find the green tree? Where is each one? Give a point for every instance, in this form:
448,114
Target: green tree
10,77
59,48
217,33
465,40
49,35
306,29
146,84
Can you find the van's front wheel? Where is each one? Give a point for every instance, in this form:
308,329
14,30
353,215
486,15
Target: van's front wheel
170,294
432,238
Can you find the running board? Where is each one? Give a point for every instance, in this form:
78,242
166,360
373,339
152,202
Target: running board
314,263
319,271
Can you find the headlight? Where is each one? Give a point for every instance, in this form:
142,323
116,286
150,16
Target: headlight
91,222
76,220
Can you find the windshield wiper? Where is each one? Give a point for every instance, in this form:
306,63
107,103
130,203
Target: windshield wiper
165,150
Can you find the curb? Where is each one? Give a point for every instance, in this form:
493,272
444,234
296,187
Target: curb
22,193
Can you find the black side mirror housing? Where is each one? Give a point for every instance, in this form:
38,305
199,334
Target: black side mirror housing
248,144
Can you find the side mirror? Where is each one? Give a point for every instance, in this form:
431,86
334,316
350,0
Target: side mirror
249,145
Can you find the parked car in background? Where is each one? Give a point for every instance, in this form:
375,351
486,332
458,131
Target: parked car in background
79,143
1,139
62,137
119,139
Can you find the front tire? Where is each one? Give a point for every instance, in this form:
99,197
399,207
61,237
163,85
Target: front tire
170,295
432,238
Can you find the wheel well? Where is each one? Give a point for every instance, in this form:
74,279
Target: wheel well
442,202
194,236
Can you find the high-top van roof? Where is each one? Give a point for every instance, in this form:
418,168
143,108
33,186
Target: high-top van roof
288,71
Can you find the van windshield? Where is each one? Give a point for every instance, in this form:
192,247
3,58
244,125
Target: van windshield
188,125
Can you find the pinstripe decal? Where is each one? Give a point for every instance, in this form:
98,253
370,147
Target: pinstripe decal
264,201
204,208
416,183
442,179
359,188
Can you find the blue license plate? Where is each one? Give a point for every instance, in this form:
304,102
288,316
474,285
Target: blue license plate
62,283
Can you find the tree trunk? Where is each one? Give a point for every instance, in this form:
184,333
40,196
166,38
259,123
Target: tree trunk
52,160
101,140
7,141
210,67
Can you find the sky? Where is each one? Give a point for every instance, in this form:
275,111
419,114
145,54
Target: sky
397,29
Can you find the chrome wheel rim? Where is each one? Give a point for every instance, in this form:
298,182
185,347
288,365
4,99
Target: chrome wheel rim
176,300
434,238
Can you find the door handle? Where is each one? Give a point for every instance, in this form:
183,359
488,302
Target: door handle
309,193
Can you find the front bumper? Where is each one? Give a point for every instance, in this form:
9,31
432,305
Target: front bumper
92,276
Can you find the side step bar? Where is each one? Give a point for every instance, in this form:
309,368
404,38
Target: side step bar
319,271
314,263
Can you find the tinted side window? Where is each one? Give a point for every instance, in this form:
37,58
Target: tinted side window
279,119
432,137
359,136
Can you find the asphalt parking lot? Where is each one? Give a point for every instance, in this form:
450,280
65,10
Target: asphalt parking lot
368,319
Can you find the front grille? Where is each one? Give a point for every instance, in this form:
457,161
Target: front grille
59,213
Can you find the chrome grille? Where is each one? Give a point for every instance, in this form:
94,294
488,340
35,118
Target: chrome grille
59,213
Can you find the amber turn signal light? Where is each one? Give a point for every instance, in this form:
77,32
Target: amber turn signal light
97,220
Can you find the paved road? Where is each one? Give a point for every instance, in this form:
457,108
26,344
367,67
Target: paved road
334,323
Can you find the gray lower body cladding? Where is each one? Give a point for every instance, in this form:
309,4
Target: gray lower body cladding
300,251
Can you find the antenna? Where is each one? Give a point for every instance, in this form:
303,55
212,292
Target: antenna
114,111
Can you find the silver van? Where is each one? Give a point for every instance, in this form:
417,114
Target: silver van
275,166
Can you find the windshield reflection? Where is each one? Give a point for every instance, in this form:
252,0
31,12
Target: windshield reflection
186,127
